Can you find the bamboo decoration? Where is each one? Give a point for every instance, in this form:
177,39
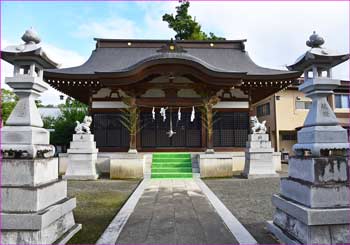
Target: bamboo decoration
129,119
208,120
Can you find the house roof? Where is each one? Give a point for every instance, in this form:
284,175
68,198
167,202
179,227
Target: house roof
123,62
113,56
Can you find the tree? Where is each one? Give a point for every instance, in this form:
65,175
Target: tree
8,102
64,125
186,27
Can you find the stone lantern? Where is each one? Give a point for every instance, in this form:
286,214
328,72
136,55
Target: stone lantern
35,208
314,201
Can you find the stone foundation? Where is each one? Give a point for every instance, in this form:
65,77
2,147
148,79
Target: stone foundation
235,159
215,165
126,167
35,207
313,206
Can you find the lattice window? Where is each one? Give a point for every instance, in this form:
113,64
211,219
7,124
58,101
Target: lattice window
109,132
188,134
231,129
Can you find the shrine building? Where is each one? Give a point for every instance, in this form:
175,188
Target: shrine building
205,90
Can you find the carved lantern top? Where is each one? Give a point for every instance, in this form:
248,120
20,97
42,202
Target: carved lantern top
31,37
318,56
315,41
29,51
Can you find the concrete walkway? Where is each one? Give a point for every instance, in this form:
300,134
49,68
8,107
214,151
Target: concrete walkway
174,211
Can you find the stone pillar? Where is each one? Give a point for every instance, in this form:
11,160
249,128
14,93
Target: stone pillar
313,205
35,208
259,157
82,156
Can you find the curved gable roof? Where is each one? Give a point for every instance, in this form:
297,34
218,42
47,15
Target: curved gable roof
115,56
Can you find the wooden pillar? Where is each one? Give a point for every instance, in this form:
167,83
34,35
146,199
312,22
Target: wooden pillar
251,111
208,108
90,102
133,125
210,142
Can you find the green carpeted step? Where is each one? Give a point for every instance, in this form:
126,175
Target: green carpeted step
171,155
171,165
172,170
170,160
171,175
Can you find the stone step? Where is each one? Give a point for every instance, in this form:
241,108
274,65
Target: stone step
37,220
32,199
28,172
319,170
312,216
315,196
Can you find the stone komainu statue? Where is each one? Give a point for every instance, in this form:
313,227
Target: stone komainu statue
256,126
84,127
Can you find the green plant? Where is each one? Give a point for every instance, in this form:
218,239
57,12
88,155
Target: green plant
186,27
64,125
8,102
129,119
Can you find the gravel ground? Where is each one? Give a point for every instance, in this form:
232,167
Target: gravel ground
250,201
97,204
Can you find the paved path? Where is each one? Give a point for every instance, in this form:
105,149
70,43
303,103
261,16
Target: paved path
174,211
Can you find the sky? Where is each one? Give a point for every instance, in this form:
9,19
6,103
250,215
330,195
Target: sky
276,32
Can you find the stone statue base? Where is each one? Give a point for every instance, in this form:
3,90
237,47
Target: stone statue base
35,207
82,157
313,205
258,157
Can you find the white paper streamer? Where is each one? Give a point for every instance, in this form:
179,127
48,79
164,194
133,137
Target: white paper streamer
192,114
163,113
179,114
153,114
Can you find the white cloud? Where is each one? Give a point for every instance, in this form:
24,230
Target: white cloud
119,27
66,58
115,27
277,31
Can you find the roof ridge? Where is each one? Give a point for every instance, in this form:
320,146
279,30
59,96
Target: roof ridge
168,40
